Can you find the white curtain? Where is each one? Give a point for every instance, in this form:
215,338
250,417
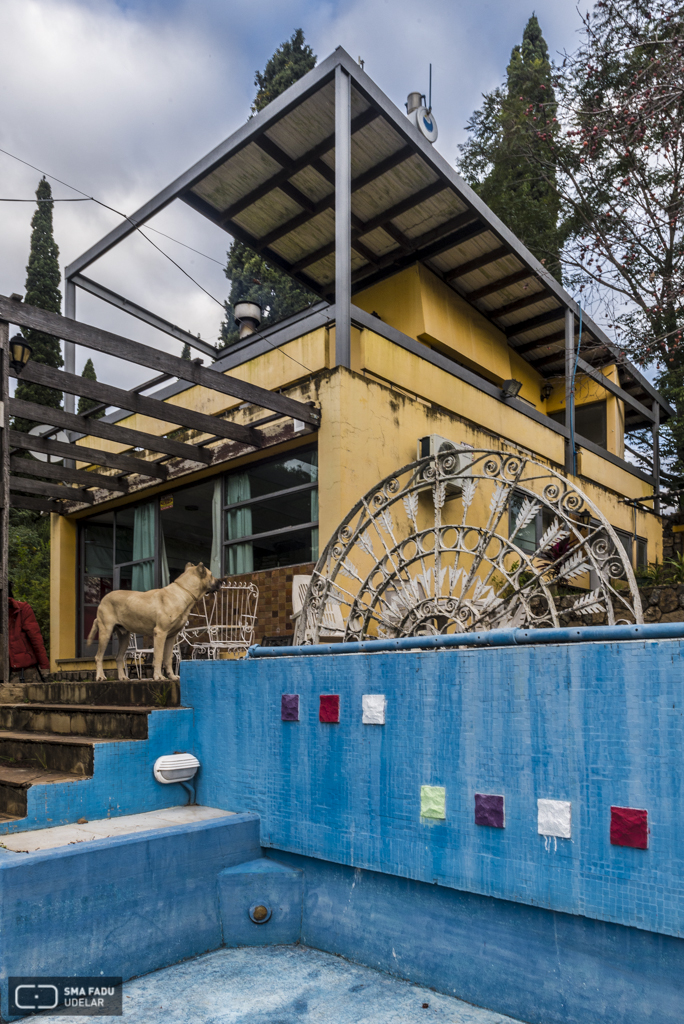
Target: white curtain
215,562
239,524
143,547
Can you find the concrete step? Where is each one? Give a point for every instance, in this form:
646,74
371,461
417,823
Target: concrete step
15,783
51,753
133,691
102,722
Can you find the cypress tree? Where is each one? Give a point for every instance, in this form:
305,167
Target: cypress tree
89,403
493,160
185,354
252,277
42,290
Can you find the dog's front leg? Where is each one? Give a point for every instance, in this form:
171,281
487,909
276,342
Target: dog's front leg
159,644
168,657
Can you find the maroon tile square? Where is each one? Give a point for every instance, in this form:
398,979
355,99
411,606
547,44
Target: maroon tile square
489,810
629,827
329,710
289,707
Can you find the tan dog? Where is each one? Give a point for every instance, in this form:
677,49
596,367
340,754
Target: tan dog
157,613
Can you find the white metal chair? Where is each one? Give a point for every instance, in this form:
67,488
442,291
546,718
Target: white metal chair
223,621
136,653
332,627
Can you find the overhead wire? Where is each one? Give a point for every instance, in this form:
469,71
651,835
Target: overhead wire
136,227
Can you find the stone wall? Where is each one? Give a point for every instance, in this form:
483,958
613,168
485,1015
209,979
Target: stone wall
660,604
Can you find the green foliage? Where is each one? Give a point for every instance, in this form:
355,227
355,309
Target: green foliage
185,354
289,63
491,162
29,564
42,290
84,404
252,277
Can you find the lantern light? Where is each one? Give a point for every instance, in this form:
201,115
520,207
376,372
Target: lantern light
20,353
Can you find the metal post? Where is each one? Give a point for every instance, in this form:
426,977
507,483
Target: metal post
655,429
69,347
342,217
4,496
569,391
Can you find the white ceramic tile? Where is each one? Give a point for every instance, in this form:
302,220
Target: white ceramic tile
374,705
554,818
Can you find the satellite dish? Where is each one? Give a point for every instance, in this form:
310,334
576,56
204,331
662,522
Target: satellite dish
45,428
426,124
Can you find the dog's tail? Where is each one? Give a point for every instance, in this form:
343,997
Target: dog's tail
93,632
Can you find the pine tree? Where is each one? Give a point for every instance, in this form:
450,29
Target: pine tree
42,290
252,277
491,161
84,404
185,354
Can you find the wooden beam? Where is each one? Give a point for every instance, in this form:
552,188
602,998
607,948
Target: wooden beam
498,286
166,412
91,456
530,346
46,490
35,504
549,317
517,304
144,355
110,431
476,264
73,476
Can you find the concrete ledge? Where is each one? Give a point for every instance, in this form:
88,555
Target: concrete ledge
276,886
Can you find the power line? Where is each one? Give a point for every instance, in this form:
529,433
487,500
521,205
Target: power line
74,200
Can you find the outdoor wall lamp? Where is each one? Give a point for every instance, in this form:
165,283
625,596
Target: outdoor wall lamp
180,768
510,388
20,353
546,391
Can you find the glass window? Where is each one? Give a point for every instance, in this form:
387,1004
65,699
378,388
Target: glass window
187,530
97,568
641,553
274,506
626,541
590,421
528,537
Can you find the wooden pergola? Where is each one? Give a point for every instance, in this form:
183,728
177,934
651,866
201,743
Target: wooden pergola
45,487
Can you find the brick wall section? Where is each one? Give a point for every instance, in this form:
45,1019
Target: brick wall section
275,598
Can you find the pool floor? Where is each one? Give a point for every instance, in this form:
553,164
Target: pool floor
284,985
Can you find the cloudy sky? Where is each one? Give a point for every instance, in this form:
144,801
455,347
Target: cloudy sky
118,98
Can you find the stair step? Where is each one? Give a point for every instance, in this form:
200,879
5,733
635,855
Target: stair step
15,783
100,721
132,692
71,754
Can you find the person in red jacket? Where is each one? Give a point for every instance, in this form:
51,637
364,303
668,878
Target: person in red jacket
26,647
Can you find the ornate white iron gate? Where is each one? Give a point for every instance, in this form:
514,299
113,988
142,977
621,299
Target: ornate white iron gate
469,539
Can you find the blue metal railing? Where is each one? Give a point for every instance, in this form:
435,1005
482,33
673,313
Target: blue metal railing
490,638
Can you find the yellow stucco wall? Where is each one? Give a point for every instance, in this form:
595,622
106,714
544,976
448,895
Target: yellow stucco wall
373,415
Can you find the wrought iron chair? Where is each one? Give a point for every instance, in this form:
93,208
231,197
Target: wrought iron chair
223,621
136,653
332,628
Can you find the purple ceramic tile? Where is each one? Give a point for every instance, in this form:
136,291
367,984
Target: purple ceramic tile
289,707
489,810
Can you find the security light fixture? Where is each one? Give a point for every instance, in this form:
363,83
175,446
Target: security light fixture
510,388
175,768
20,353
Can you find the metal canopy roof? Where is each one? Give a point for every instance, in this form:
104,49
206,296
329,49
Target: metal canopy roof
272,186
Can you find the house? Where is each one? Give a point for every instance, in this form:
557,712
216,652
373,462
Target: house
433,319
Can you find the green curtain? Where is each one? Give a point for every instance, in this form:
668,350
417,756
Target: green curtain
143,547
314,511
239,524
215,562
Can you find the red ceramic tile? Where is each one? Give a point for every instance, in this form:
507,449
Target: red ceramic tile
629,827
329,709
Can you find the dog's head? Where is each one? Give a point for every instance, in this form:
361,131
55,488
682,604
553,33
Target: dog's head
208,582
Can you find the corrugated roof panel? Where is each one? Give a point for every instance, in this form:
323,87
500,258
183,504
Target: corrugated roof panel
546,303
268,213
461,254
236,177
394,187
380,242
309,238
307,124
491,303
373,144
430,214
312,184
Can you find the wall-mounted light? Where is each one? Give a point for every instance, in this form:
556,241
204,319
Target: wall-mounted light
510,388
20,353
546,391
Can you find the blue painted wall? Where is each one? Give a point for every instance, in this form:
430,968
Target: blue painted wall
535,965
595,723
121,906
122,782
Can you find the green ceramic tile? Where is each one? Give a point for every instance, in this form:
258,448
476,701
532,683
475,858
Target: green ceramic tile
432,802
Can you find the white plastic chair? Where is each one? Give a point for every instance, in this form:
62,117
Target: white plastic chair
223,621
136,653
332,626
